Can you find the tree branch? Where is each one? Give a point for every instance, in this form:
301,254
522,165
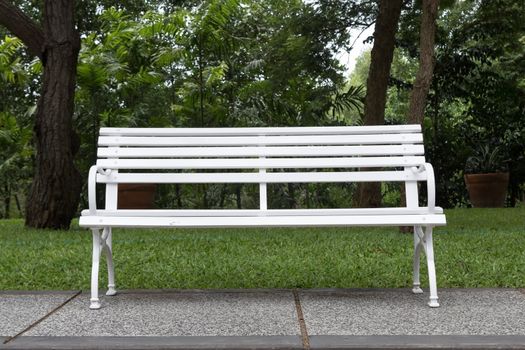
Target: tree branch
359,35
23,27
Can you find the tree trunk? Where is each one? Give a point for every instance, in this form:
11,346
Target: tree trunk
369,194
7,201
55,192
205,203
18,207
292,201
418,97
222,196
238,196
179,196
201,83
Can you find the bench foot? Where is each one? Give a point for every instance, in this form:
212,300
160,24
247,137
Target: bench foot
111,290
94,304
433,302
94,301
417,290
106,241
101,242
423,242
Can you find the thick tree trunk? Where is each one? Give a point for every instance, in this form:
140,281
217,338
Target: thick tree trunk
54,195
418,97
369,194
55,192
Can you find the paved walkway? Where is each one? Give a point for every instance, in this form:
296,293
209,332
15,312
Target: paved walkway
265,319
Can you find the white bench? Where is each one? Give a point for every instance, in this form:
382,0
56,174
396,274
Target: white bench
251,155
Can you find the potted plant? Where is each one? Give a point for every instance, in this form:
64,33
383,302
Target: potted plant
136,196
487,178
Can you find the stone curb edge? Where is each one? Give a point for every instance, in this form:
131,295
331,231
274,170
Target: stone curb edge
151,342
273,342
395,342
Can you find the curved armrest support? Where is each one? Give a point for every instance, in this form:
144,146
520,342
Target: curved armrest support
431,187
92,189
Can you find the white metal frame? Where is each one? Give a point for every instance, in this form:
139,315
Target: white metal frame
259,151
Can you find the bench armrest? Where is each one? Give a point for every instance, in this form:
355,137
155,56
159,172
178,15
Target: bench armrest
431,186
92,189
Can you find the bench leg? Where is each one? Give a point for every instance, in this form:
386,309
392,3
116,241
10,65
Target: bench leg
429,252
109,259
424,239
416,288
94,301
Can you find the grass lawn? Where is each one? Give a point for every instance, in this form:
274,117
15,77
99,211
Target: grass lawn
478,248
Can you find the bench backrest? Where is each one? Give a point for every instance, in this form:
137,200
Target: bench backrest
261,151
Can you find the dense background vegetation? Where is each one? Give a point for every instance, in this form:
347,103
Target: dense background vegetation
269,63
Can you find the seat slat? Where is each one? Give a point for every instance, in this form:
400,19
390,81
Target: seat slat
276,177
264,221
257,212
372,139
324,130
262,163
270,151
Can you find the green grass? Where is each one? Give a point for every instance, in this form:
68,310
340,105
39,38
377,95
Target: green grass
478,248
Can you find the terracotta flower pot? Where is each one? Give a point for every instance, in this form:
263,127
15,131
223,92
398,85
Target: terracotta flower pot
487,190
136,196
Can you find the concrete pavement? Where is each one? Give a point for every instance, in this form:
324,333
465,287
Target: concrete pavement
265,319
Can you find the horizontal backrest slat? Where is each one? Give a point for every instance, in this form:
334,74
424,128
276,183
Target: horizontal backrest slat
261,163
277,177
373,139
250,151
258,212
324,130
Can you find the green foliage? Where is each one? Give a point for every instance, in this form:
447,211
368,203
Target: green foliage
477,94
223,63
15,130
11,71
360,73
477,68
15,159
402,74
352,99
475,97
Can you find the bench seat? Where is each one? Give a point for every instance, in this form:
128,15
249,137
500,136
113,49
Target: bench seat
268,218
